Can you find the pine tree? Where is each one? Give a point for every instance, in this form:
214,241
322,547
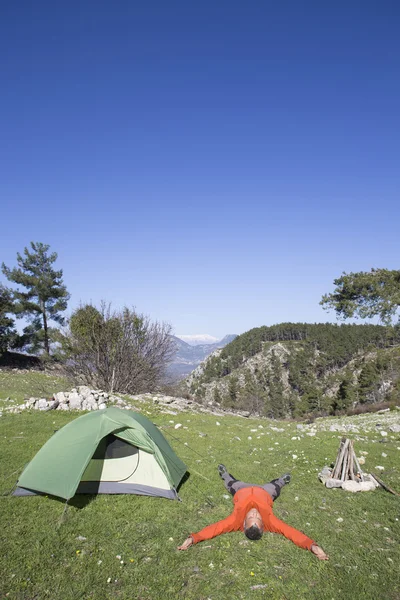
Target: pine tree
367,381
345,395
45,297
217,395
233,389
276,389
7,331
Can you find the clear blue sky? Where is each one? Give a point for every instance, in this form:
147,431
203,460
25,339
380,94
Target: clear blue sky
215,164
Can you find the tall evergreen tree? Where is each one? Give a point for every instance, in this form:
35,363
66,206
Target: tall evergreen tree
45,297
276,389
367,381
7,331
345,396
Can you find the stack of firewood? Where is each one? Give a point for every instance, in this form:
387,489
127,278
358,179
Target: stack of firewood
347,465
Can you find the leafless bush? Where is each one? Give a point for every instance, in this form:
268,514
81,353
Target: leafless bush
119,351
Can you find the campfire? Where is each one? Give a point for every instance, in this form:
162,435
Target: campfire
346,472
347,465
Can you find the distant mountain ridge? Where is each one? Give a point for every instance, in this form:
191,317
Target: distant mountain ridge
188,356
198,339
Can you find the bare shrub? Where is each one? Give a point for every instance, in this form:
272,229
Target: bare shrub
119,351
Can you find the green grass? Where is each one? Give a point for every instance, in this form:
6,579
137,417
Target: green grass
42,558
19,386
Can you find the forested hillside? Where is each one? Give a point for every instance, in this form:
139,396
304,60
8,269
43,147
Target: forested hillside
293,369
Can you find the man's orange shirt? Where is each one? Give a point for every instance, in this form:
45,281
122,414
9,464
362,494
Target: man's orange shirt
244,500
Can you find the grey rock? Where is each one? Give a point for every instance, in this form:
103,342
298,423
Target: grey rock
84,391
102,406
75,402
60,396
355,486
325,474
351,486
395,428
42,404
333,483
367,486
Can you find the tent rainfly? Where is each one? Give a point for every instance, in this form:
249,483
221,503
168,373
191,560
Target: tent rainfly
110,451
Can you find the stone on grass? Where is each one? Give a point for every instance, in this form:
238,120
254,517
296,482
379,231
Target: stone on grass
325,474
333,483
351,486
75,402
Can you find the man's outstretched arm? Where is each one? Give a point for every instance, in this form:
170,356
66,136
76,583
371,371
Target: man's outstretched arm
296,536
211,531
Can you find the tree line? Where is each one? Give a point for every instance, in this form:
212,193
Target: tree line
336,344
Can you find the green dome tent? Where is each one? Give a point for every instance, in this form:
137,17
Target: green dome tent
110,451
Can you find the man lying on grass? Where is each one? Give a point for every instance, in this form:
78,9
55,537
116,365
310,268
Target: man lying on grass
253,515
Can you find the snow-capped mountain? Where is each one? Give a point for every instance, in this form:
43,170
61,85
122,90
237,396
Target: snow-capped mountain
198,339
188,356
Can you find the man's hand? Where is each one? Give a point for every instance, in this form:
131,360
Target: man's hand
319,553
186,544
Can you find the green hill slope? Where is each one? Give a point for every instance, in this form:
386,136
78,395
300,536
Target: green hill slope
294,369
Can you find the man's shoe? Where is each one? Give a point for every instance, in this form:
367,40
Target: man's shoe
222,470
286,477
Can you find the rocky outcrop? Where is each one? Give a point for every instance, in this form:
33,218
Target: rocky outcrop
84,398
81,398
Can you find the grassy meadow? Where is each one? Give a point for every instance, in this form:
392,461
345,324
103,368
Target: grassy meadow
124,547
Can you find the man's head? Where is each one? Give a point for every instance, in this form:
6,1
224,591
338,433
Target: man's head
253,525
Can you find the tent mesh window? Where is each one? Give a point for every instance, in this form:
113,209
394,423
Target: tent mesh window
112,447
